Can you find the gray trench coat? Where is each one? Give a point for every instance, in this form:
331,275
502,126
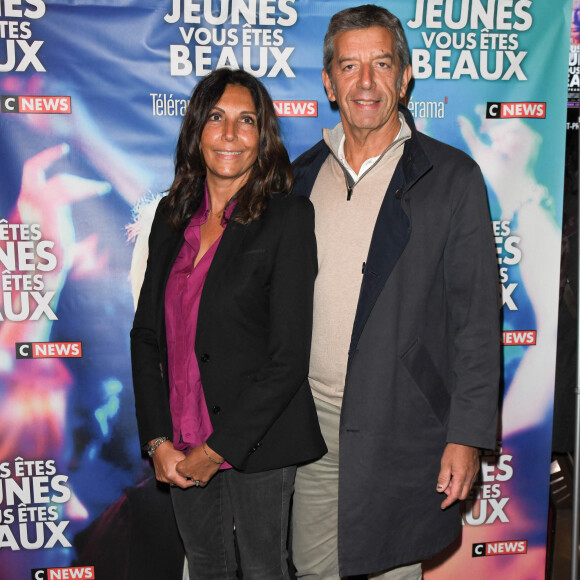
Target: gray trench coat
424,359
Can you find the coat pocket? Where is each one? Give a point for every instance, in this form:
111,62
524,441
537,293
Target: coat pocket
426,376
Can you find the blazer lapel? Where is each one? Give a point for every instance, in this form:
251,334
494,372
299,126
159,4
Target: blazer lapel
226,253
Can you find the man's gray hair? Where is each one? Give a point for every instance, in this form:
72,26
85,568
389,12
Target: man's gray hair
361,17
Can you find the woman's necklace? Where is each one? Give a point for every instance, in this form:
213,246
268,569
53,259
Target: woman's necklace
220,214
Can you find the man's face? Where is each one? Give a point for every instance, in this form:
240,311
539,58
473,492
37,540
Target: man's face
365,71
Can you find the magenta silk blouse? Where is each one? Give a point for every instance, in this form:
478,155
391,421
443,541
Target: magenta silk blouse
191,422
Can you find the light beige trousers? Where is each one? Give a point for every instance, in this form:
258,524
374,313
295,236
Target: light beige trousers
315,512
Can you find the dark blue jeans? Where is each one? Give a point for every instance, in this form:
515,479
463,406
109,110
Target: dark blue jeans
257,504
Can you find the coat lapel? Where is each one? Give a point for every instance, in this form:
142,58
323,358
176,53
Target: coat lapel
392,230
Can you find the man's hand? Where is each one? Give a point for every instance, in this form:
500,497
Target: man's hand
459,467
165,460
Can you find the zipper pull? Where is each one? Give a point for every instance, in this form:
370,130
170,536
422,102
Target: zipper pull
350,183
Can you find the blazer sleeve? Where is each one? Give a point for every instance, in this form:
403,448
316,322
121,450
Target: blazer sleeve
147,354
472,288
291,289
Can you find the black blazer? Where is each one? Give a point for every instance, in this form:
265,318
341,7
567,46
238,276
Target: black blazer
252,342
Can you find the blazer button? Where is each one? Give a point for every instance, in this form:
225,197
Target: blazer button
204,357
215,410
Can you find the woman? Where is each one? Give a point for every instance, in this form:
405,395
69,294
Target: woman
221,338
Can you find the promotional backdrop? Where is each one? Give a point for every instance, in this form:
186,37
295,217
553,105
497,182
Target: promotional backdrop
91,98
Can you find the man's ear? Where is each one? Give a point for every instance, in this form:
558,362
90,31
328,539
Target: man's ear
328,86
406,78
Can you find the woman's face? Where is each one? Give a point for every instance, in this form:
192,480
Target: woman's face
230,138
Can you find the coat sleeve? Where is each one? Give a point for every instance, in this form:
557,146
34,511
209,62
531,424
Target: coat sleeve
291,289
472,290
151,394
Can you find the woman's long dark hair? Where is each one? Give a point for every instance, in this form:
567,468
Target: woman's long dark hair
271,172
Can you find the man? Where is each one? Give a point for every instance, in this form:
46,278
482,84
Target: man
405,355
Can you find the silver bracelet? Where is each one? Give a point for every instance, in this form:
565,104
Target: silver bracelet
153,447
209,456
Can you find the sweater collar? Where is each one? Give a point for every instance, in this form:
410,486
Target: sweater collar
414,161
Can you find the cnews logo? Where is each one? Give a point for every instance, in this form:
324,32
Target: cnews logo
499,548
30,104
296,108
515,110
49,350
78,573
519,337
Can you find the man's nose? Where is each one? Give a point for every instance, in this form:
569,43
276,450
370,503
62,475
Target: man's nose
366,77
